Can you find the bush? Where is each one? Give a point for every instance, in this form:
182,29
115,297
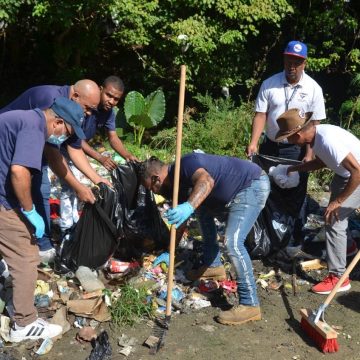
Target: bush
222,128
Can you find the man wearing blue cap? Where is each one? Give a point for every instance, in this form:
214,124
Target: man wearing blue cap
22,139
291,88
86,93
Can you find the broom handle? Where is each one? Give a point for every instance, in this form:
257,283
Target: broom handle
342,279
176,186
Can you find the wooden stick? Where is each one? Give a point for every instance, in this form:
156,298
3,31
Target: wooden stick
176,187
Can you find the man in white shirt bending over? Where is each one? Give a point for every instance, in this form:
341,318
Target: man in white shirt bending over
338,150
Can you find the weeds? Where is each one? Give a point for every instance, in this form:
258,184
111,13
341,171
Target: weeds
222,128
130,306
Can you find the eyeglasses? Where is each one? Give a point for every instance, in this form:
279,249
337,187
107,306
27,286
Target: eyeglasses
68,132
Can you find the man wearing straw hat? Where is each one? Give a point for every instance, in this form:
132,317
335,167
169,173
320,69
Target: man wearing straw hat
338,150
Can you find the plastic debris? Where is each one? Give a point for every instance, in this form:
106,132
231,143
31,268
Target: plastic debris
118,266
88,279
42,301
163,258
42,287
101,348
45,347
5,328
270,274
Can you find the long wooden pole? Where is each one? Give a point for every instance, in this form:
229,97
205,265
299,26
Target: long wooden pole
176,187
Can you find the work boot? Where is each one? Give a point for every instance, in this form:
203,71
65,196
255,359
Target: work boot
239,314
207,273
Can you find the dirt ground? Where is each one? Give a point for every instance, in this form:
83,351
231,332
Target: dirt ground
196,335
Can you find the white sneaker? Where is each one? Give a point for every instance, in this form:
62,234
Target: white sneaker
39,329
47,256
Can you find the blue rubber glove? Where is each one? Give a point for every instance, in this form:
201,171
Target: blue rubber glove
36,220
179,214
163,258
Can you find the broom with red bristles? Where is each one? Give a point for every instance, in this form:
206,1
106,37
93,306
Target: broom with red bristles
322,333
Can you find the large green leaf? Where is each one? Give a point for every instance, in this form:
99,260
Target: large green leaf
143,120
134,104
155,106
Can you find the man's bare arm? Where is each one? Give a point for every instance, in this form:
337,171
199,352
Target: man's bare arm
203,185
258,126
21,183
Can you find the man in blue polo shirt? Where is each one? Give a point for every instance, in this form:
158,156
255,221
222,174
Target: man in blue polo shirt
87,94
104,118
22,139
214,186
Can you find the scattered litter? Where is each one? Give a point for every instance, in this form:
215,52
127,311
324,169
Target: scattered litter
45,347
316,264
86,333
197,303
5,328
101,348
151,341
263,283
270,274
118,266
127,344
42,288
88,279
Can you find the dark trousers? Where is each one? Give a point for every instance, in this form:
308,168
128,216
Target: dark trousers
292,152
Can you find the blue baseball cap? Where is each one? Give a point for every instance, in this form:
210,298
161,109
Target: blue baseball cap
71,112
296,48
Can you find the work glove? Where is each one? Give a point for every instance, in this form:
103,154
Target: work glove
163,258
179,214
36,220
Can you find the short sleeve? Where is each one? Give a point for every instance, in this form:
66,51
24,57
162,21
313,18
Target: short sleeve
29,148
318,105
110,121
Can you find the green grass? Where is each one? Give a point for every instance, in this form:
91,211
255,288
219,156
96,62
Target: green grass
130,307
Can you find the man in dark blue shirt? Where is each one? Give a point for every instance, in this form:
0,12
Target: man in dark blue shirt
22,139
111,92
87,94
213,186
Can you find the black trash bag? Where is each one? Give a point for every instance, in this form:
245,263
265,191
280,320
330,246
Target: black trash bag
275,225
143,229
95,237
101,347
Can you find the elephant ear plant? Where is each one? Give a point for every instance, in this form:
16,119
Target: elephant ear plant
144,113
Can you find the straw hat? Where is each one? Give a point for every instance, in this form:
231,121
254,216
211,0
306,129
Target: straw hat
291,122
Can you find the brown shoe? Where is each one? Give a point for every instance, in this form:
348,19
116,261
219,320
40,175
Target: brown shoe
239,314
207,273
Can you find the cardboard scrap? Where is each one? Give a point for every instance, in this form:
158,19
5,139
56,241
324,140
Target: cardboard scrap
94,308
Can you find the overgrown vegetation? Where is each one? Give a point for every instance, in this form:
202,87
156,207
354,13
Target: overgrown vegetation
130,306
217,126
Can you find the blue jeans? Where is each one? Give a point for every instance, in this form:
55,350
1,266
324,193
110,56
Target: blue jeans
40,189
242,213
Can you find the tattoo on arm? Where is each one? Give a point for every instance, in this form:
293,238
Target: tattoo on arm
203,185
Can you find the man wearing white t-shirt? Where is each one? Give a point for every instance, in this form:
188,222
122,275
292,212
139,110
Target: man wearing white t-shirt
291,88
338,150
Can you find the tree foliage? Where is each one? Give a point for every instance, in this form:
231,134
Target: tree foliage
232,43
